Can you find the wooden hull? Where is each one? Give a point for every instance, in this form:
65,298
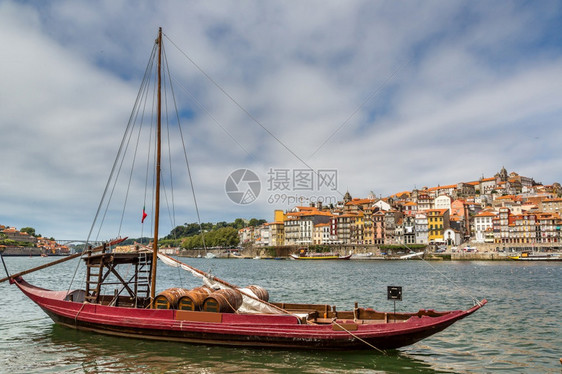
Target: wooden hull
230,329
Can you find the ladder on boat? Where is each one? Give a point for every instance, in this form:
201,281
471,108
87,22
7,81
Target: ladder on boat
94,276
135,287
142,279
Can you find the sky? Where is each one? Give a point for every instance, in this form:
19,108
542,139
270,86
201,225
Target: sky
375,96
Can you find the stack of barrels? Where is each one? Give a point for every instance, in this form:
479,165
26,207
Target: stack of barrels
193,299
206,299
168,299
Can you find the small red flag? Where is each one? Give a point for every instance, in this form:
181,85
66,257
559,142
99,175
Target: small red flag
144,215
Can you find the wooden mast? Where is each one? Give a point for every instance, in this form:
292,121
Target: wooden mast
158,156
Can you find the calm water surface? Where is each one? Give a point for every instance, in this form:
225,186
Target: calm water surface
518,331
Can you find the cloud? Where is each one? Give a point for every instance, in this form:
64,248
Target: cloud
391,95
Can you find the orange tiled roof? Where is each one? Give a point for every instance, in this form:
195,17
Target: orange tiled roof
506,197
486,213
359,201
322,225
442,211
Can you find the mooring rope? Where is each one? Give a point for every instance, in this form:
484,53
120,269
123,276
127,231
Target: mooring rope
356,337
462,289
76,316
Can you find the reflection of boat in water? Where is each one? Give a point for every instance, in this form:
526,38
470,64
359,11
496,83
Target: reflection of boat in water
120,299
537,256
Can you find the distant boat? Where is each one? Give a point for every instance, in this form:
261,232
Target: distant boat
362,255
320,256
210,255
530,256
412,255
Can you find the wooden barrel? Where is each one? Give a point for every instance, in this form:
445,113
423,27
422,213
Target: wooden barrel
193,299
168,299
260,292
223,301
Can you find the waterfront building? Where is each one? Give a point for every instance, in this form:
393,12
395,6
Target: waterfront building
277,233
344,228
357,228
391,219
466,189
410,208
442,202
358,205
548,228
425,202
305,230
551,205
452,237
246,235
409,229
438,222
501,226
378,227
487,185
263,237
369,230
382,205
292,231
421,228
483,222
449,190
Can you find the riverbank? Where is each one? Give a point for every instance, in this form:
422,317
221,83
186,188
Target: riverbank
430,256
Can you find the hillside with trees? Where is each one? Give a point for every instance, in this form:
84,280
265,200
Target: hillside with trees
220,234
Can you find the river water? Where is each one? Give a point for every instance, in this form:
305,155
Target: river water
519,330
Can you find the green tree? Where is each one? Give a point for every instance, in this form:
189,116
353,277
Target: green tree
256,222
28,230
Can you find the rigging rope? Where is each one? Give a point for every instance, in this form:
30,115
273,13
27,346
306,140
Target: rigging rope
185,156
120,151
245,111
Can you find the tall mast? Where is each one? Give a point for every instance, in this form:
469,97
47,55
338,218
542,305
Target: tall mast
158,156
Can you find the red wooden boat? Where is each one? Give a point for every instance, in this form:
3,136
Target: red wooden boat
124,303
305,326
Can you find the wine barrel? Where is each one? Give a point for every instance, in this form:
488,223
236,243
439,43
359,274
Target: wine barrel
260,292
168,299
193,299
223,301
